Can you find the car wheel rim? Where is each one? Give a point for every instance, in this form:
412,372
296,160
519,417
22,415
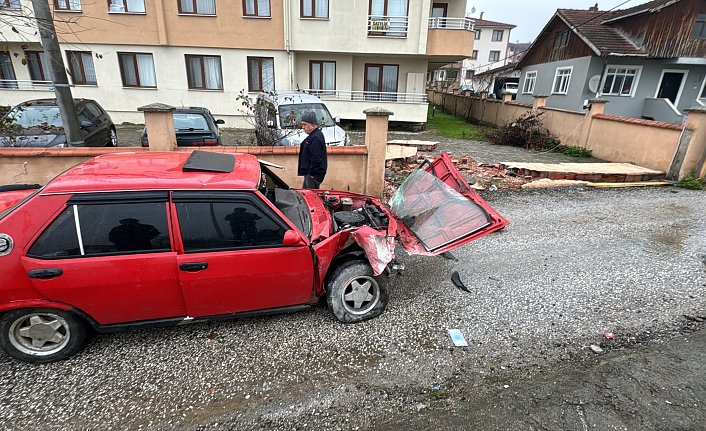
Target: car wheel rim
360,295
40,334
113,138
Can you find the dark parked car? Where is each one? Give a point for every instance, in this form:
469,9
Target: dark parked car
194,126
39,124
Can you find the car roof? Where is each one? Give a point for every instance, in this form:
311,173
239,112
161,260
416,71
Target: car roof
191,110
290,98
48,102
140,171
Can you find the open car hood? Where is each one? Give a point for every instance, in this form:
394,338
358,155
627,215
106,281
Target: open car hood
437,210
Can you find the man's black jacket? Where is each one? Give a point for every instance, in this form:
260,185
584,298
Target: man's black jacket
312,155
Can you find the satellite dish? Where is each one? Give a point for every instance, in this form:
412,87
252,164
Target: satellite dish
593,83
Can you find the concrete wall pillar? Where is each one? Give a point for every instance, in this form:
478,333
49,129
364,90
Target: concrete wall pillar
507,97
483,95
597,106
695,157
540,101
376,123
159,122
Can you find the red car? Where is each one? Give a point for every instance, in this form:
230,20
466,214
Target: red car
155,239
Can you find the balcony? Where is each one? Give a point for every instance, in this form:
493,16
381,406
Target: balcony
388,26
450,38
19,84
408,107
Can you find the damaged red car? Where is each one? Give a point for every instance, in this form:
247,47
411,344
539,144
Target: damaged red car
154,239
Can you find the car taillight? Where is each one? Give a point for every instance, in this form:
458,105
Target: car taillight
145,143
210,142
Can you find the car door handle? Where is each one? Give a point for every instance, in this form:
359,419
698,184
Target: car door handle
194,266
45,273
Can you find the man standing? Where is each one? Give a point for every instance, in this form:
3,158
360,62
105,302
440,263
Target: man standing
312,152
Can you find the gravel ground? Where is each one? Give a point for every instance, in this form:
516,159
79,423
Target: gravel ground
573,264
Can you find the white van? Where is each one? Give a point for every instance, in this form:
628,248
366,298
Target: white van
277,119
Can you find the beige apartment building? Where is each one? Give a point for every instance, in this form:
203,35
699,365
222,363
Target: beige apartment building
354,54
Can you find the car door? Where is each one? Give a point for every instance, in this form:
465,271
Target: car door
437,210
110,256
233,258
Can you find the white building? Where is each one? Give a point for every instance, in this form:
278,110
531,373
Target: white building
128,53
489,50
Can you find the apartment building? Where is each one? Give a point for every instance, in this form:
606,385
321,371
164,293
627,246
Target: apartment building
489,49
128,53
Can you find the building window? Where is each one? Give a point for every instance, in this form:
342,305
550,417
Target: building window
204,72
314,8
468,74
381,82
561,39
497,36
197,7
474,55
81,68
494,56
126,6
74,5
561,80
530,80
388,18
38,66
477,34
7,72
10,4
620,81
699,31
322,75
261,74
256,8
137,70
703,90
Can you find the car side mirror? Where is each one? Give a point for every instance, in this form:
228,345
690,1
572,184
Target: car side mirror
337,120
220,122
270,124
85,124
292,239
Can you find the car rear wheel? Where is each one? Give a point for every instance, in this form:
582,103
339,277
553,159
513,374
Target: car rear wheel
113,138
41,335
355,294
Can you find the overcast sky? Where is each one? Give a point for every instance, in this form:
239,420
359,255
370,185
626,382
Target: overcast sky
531,16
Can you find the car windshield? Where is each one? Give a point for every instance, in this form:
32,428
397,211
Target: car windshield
290,115
36,116
436,213
184,122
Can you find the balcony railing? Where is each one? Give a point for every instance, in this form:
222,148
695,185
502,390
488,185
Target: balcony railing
376,96
388,26
451,23
19,84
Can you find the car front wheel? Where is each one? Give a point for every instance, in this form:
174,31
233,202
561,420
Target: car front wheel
113,142
355,294
41,335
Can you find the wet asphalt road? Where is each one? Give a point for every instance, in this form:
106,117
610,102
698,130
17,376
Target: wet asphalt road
573,264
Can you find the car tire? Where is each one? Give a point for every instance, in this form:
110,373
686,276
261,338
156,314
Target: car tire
355,294
40,335
113,139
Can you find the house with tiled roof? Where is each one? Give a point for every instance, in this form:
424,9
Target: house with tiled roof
648,61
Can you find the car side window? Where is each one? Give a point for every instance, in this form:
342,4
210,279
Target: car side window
227,224
94,109
84,114
105,228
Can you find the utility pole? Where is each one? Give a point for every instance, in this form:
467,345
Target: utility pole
64,99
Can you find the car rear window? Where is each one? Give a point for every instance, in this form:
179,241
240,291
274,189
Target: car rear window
189,122
36,116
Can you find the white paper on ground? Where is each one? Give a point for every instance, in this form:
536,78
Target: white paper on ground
457,338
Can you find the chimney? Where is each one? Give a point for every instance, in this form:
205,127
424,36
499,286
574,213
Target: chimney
481,16
594,8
